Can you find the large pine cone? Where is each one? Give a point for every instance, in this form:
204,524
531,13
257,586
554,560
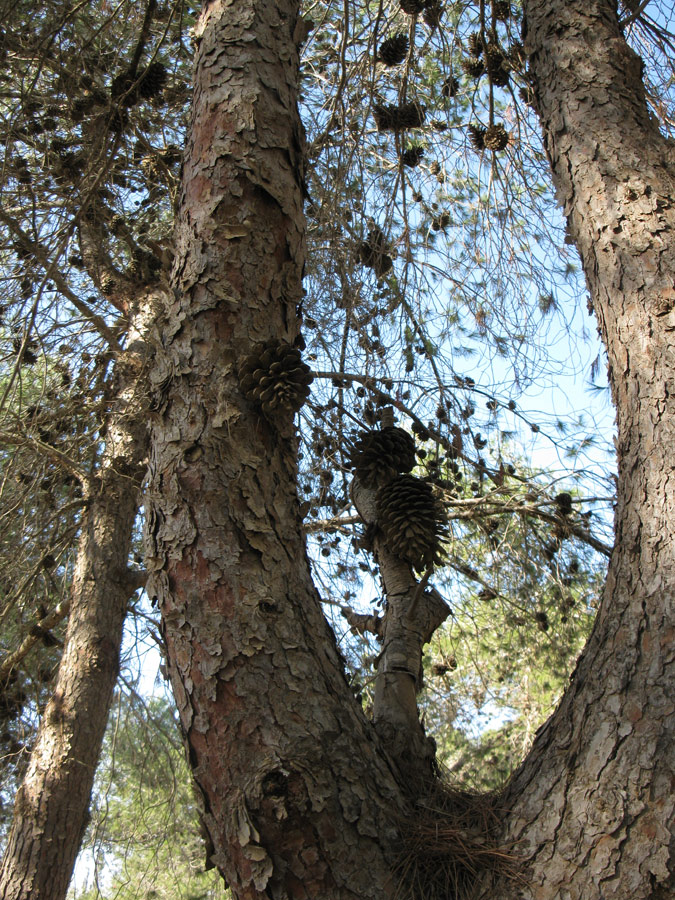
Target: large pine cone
497,65
130,90
496,138
393,50
412,156
475,44
411,521
477,136
502,10
432,13
473,66
412,7
378,456
276,378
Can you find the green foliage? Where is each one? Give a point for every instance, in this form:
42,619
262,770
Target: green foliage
143,839
525,586
497,669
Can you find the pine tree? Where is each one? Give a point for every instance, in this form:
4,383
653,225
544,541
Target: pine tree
303,791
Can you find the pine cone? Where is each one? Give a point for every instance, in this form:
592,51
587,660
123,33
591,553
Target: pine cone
108,285
496,137
152,81
123,89
275,378
398,118
502,10
372,252
412,7
393,51
475,44
564,503
29,351
378,456
450,87
497,65
432,14
477,136
383,264
473,66
411,521
374,246
412,156
440,223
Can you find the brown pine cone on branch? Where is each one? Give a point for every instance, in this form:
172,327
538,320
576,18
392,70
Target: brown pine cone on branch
399,118
393,51
477,136
412,7
496,138
411,521
379,455
373,252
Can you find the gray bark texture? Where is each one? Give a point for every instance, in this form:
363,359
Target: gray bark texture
51,806
592,808
302,796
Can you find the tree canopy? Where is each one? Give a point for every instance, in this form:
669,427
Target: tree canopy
442,294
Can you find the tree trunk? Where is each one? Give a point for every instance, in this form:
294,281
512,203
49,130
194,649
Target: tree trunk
592,806
299,798
51,807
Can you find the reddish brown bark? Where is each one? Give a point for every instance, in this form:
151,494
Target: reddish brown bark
298,796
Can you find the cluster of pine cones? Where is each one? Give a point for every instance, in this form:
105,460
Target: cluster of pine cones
399,118
409,517
485,57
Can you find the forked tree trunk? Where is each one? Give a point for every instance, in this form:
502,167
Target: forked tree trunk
300,796
592,806
51,806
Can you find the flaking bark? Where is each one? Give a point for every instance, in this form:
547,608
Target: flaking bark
593,805
299,798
